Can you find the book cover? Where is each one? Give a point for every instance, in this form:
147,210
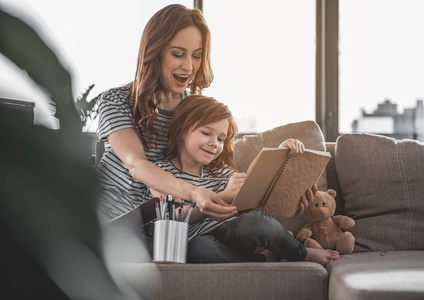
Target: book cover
276,183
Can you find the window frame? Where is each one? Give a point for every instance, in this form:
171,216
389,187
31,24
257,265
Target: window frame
327,68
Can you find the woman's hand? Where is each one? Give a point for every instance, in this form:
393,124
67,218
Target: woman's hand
233,187
296,147
211,205
305,200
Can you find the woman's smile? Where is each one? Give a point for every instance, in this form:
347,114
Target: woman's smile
181,78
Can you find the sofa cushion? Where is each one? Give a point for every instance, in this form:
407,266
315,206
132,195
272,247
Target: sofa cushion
397,275
382,181
308,132
225,281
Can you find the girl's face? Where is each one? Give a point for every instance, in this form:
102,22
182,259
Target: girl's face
202,145
180,60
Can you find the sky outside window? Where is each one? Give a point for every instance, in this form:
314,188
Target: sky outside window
263,57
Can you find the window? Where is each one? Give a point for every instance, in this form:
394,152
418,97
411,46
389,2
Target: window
263,58
381,67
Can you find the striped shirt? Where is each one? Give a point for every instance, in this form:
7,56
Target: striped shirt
119,191
207,225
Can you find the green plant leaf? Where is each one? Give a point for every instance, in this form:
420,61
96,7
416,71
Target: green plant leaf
86,108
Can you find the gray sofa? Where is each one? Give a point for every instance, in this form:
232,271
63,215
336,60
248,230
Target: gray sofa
380,184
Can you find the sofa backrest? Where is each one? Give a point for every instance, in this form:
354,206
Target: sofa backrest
382,183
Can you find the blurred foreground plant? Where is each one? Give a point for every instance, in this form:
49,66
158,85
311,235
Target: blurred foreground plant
51,241
88,109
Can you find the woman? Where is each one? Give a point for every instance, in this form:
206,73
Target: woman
134,119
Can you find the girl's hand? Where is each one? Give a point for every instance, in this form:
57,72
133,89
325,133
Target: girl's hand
296,147
305,200
233,187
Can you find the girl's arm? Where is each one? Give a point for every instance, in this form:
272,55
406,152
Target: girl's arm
128,147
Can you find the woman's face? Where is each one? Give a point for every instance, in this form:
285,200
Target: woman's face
180,60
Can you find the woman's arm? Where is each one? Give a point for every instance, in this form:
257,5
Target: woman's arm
128,147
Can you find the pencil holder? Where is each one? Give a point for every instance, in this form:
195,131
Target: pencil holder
170,241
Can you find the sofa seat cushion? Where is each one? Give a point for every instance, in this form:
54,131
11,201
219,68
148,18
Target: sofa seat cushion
370,275
382,181
308,132
294,280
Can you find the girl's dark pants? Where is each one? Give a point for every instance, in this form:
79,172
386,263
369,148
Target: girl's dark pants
237,239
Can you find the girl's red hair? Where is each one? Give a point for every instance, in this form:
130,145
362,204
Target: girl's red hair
196,111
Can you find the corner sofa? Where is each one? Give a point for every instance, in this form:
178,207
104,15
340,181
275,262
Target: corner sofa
379,182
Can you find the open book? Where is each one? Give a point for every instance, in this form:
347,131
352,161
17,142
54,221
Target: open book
276,183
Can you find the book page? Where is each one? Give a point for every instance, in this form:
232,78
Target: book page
300,173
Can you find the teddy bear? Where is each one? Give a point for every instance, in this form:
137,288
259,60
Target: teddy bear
326,231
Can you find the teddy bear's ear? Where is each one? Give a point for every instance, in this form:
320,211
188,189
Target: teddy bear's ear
332,193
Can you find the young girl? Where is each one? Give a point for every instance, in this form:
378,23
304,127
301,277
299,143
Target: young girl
200,152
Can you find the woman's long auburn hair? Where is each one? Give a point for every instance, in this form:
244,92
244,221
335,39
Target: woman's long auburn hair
146,87
196,111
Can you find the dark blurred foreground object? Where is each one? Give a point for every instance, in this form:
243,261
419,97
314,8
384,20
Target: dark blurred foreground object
23,46
50,236
24,110
49,228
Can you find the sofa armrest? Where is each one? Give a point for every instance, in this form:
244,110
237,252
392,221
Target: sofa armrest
291,280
